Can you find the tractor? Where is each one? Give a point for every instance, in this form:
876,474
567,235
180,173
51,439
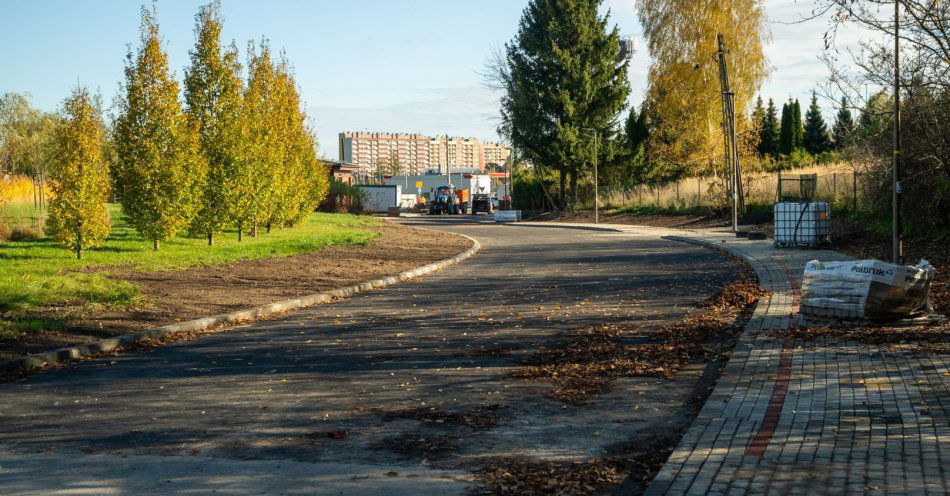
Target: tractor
445,200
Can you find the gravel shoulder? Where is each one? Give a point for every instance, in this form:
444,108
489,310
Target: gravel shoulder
182,295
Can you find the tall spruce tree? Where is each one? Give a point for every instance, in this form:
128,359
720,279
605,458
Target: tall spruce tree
769,132
562,80
629,169
635,129
816,139
798,130
159,170
78,217
758,118
843,127
786,139
213,99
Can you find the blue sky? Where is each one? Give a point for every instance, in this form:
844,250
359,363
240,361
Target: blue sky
378,65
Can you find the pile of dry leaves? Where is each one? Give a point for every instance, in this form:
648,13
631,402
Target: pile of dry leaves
530,478
922,338
587,361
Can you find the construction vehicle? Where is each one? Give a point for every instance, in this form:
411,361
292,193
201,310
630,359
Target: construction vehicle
445,200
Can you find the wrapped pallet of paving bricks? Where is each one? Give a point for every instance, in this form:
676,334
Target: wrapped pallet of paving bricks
866,289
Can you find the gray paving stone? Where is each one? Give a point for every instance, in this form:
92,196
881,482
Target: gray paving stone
853,420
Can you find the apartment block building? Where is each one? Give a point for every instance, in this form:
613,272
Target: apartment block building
416,153
496,154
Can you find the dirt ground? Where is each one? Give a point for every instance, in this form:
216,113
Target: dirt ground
182,295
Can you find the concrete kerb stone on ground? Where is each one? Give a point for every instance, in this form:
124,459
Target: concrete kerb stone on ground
37,360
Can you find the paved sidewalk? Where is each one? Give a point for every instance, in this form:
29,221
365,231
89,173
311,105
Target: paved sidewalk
807,418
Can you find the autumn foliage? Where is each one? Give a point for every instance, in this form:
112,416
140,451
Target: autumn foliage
159,169
80,177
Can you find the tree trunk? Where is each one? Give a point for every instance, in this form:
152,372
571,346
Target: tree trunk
574,185
210,238
254,230
563,189
240,230
154,245
268,228
79,246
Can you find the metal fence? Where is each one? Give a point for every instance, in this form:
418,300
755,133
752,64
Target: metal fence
843,188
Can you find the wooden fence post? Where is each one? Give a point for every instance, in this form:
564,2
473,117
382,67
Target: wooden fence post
854,191
779,187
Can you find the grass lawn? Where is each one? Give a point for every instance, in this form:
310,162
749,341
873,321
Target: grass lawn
41,273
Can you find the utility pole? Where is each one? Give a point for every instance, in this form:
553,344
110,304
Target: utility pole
596,184
448,171
898,242
731,151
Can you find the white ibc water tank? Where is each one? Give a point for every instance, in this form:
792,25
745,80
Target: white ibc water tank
802,224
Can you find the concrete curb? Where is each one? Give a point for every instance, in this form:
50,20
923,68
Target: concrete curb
37,360
753,262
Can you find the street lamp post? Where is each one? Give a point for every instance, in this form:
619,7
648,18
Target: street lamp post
596,185
596,182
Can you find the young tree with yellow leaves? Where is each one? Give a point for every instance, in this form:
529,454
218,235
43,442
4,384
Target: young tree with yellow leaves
260,176
80,176
159,170
213,99
302,181
684,92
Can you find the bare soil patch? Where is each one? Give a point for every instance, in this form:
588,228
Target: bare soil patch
182,295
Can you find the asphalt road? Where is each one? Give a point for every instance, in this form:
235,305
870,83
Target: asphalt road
252,410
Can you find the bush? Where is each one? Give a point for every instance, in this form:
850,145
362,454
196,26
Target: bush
25,234
798,159
344,198
4,232
828,157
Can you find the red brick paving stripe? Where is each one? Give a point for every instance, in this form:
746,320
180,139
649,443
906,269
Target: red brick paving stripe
776,402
